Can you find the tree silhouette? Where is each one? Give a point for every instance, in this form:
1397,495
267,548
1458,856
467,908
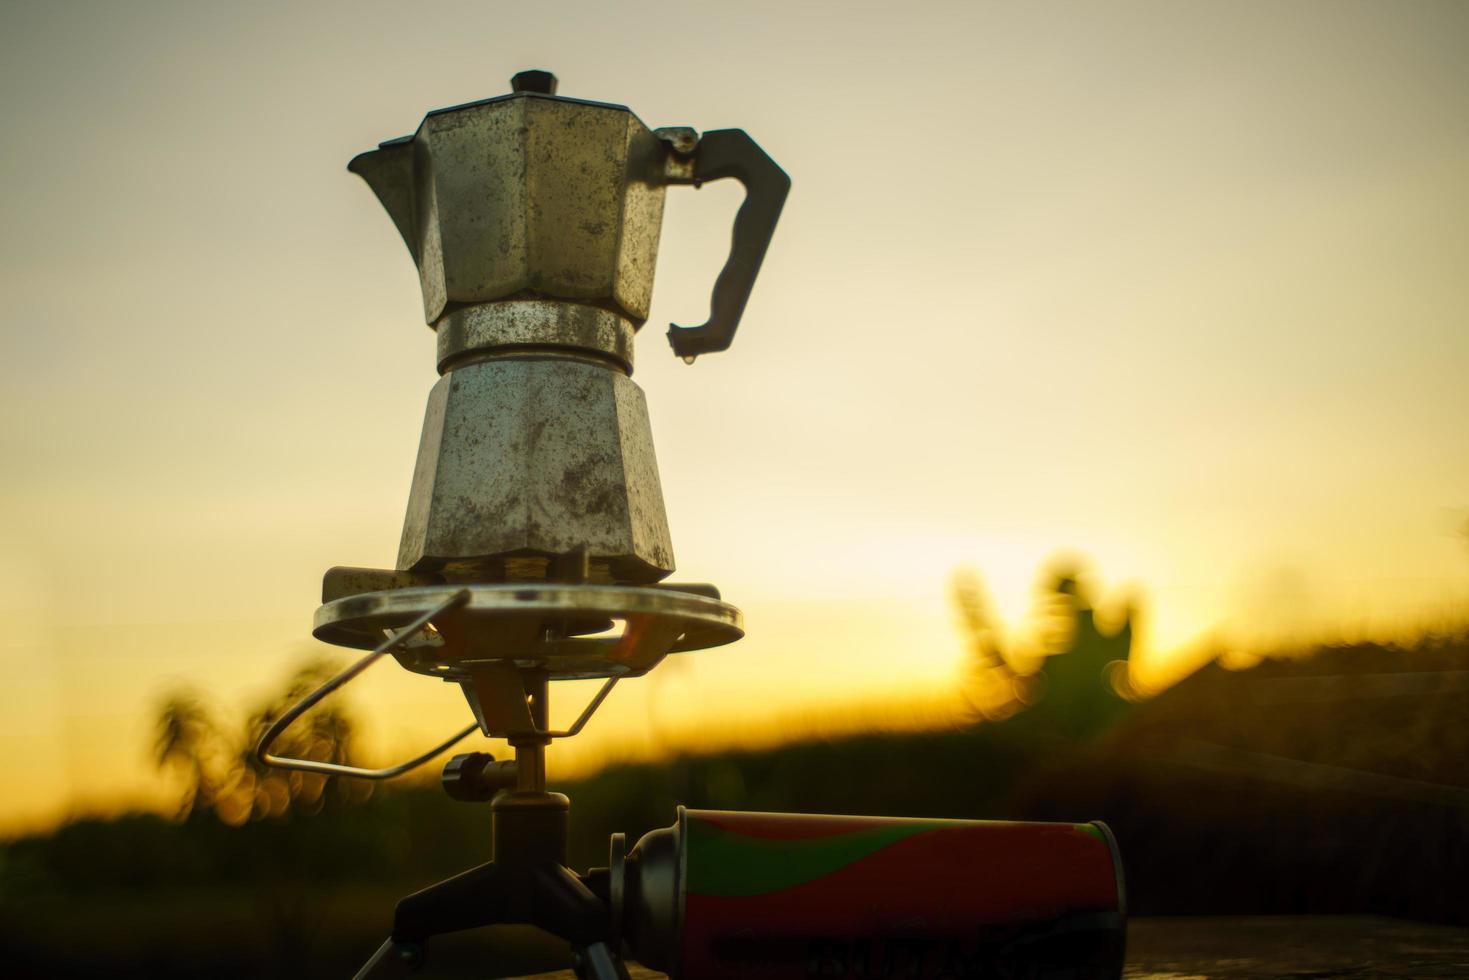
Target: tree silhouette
990,686
223,773
1081,698
1064,668
186,739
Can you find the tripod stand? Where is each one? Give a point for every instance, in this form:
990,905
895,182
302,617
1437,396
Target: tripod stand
527,881
502,643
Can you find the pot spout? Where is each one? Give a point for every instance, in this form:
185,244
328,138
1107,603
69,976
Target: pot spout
388,170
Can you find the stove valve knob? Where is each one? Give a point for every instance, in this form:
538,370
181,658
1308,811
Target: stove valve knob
475,776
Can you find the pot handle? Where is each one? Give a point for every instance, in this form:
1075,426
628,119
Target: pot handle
731,153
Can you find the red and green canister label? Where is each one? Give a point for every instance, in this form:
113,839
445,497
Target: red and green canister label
779,896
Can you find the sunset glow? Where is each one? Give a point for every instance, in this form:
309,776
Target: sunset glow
1176,288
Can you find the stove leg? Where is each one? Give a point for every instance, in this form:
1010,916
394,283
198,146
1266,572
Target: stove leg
598,962
392,960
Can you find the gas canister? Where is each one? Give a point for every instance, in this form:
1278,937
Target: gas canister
729,896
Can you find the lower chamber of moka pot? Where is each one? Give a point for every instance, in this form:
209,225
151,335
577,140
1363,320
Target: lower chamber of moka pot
571,632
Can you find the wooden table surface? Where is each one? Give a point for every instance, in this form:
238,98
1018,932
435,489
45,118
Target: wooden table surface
1274,948
1324,947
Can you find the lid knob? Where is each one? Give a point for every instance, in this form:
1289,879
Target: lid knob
535,80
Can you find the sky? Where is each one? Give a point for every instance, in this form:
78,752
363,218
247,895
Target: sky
1179,287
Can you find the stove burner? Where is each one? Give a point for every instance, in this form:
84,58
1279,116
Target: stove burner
562,629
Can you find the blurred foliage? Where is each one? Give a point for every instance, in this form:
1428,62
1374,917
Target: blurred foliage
1334,782
1068,668
219,769
187,737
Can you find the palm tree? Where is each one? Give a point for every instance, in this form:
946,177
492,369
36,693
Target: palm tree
224,774
988,684
186,739
326,734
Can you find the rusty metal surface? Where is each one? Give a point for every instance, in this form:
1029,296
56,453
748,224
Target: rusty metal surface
534,222
531,196
537,457
478,331
527,195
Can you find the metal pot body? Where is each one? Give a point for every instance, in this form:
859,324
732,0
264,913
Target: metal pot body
534,223
724,895
526,458
527,195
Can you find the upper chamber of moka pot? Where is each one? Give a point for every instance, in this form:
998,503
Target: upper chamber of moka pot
534,223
